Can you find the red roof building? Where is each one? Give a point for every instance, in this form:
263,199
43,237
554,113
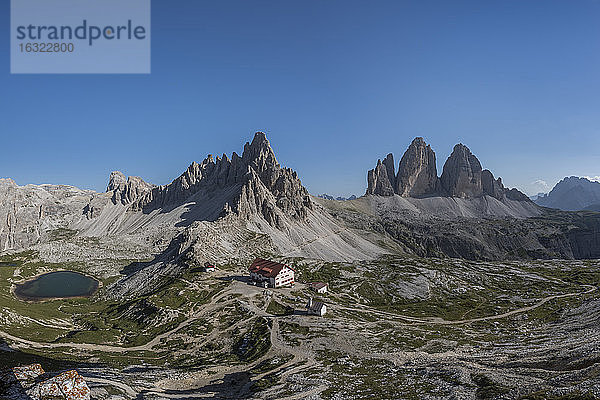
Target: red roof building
271,273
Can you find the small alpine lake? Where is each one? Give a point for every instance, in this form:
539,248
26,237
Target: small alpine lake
57,285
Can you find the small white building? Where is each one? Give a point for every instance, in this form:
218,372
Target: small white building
319,287
271,274
316,308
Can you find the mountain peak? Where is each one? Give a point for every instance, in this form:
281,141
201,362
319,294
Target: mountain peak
7,181
126,189
259,151
260,137
252,185
417,172
260,142
572,193
418,141
378,179
116,179
461,176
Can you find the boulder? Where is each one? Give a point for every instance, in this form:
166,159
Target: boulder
28,372
68,385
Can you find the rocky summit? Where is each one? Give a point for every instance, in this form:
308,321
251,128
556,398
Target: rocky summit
254,183
417,172
572,194
462,176
379,181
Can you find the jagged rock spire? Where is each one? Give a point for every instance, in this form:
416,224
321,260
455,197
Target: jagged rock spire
379,182
462,176
388,161
255,185
417,172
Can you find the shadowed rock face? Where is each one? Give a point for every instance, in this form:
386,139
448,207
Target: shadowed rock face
258,186
573,194
461,176
379,181
492,187
417,173
388,162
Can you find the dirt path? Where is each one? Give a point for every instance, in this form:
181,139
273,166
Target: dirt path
193,315
302,357
206,308
125,388
440,321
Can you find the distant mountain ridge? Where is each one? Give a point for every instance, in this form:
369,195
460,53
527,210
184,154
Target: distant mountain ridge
593,207
339,198
231,208
573,194
462,176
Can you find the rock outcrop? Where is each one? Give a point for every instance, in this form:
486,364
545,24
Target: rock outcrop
116,180
29,213
127,190
417,172
32,382
268,186
492,187
388,162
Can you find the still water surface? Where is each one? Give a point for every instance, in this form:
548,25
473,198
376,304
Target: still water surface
61,284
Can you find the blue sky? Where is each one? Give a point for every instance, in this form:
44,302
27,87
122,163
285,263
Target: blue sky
335,84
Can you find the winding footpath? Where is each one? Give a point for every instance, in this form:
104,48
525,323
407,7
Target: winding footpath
194,315
440,321
301,358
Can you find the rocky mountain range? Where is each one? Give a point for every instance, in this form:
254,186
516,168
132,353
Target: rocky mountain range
231,208
462,176
339,198
221,209
572,194
255,184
